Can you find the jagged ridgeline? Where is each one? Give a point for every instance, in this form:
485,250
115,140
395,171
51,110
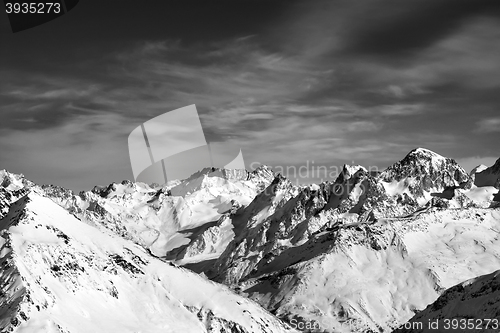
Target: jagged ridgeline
62,274
366,252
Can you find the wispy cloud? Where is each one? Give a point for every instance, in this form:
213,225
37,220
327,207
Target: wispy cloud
327,81
488,125
401,109
88,147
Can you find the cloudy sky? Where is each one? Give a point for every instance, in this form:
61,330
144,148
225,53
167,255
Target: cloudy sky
293,83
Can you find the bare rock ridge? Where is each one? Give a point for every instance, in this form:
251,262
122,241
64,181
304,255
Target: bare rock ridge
489,176
363,253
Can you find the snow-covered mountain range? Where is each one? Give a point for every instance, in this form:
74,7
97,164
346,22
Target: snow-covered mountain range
60,274
364,253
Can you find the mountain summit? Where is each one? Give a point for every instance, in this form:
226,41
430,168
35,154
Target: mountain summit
423,172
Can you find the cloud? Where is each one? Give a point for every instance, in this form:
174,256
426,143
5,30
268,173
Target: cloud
396,91
34,93
409,28
488,125
258,116
89,147
36,102
400,109
363,126
319,82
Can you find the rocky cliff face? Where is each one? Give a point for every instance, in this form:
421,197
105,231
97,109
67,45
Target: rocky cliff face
489,176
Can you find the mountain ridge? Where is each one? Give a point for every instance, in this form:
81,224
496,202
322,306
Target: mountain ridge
296,249
62,275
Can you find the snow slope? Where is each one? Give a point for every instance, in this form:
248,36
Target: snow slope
187,220
60,274
375,276
470,306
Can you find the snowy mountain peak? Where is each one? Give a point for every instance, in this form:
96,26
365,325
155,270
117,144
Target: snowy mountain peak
425,152
423,155
200,173
263,171
13,181
350,170
478,169
423,172
421,161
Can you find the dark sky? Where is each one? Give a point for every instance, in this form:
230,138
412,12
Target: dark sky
293,83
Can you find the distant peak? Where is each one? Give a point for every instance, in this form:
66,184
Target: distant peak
478,169
423,155
263,167
350,170
424,151
200,173
263,170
